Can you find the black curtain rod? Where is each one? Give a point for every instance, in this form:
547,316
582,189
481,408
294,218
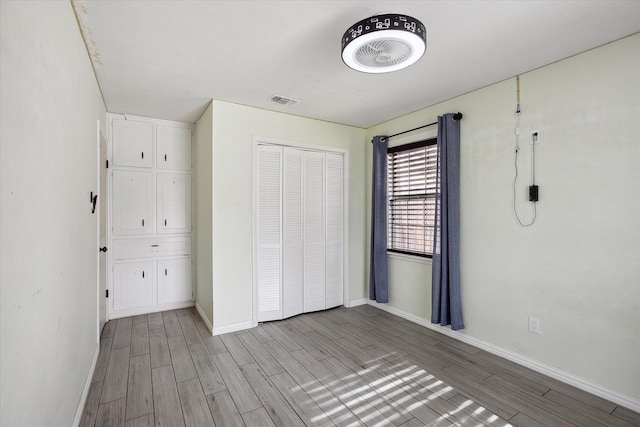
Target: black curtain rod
456,116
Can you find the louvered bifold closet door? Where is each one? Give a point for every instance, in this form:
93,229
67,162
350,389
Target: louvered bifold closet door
268,232
314,231
292,265
335,231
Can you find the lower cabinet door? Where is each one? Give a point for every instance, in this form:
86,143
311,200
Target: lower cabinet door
132,285
174,280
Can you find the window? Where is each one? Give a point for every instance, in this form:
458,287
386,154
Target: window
411,189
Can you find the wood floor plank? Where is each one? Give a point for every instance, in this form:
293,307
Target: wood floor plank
236,349
224,410
114,386
265,360
362,399
91,405
276,406
477,411
627,415
239,389
194,405
122,334
210,378
111,414
522,420
108,329
257,418
311,385
155,321
495,362
214,345
139,389
140,337
181,359
284,339
143,421
166,402
300,401
261,334
542,406
171,325
103,359
159,348
189,330
586,410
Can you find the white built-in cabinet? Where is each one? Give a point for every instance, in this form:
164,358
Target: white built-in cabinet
151,216
299,230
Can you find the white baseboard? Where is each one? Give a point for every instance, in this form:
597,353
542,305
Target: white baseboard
240,326
621,399
357,302
85,390
204,318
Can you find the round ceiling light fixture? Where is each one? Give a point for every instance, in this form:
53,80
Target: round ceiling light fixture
384,43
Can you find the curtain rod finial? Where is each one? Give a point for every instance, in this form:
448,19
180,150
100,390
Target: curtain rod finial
457,116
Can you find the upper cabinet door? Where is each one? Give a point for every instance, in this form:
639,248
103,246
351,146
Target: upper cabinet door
174,203
132,143
132,203
173,149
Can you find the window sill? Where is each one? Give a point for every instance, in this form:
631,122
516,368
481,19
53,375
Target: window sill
407,257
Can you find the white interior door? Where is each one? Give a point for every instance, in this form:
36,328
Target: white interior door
292,265
334,253
268,232
102,218
314,231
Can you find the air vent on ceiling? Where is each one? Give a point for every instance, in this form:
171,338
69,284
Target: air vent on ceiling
283,100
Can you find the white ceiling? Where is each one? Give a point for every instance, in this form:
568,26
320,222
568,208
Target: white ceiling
168,59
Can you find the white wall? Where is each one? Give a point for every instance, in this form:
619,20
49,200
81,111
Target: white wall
577,267
49,105
203,236
234,127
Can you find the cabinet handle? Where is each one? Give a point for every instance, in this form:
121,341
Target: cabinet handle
165,157
143,222
143,274
165,271
165,222
142,154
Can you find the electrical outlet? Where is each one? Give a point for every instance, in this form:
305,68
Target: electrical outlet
535,137
534,325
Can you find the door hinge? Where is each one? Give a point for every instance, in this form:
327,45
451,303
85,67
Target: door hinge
107,164
106,293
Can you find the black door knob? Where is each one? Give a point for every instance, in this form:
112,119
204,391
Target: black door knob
103,249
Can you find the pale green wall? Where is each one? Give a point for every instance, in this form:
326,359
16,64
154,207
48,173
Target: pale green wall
203,235
577,267
234,127
49,104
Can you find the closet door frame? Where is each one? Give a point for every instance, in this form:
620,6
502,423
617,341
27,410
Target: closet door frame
257,141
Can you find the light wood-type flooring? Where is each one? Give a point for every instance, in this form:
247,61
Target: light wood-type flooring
346,367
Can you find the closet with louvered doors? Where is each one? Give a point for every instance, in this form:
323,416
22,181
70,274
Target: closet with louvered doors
299,230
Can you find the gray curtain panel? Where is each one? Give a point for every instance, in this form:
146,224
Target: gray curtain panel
378,286
446,304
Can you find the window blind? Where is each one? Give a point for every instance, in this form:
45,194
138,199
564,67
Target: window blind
411,190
